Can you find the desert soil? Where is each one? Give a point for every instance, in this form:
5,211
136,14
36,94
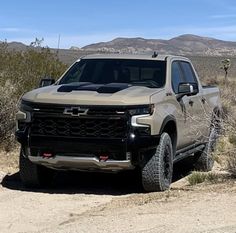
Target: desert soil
80,202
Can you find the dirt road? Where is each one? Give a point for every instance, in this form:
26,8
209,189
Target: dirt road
109,203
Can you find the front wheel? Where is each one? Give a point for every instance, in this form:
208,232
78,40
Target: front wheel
33,175
157,171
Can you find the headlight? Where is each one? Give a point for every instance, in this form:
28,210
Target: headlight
24,113
25,106
149,109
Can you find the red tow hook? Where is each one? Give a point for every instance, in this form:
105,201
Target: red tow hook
47,155
103,158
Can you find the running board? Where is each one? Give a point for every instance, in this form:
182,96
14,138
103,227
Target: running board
187,152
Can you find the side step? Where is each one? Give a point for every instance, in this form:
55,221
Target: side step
187,152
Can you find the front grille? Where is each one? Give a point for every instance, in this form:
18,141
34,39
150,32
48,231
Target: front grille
59,109
91,111
79,127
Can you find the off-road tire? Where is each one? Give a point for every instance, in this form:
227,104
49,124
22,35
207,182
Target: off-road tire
157,171
204,160
33,175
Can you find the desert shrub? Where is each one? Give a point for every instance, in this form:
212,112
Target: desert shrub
232,139
25,69
210,67
231,162
19,73
226,148
196,178
7,114
211,81
200,177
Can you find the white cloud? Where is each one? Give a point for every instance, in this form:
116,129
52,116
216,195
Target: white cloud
17,31
11,29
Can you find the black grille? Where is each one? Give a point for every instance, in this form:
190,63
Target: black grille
79,127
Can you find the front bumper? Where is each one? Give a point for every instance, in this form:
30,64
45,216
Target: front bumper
85,155
82,163
79,143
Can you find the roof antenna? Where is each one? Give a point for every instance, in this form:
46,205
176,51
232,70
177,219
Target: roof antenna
155,54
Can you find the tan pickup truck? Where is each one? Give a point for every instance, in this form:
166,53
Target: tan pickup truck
117,112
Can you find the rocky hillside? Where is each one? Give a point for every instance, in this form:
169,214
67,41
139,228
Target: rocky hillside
184,44
205,53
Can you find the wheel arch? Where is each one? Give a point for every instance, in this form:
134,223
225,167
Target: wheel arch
169,126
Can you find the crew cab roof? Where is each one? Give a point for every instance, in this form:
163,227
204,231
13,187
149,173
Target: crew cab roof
160,57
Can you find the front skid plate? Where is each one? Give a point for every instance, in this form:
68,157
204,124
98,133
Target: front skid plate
82,163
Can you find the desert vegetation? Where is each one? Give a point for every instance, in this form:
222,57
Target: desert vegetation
19,73
225,152
200,177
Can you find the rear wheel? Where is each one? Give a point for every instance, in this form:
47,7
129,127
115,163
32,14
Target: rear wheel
157,171
204,160
33,175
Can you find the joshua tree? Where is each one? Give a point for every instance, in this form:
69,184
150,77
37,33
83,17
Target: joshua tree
37,42
225,66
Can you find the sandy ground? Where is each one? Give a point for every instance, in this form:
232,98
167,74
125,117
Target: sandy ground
81,202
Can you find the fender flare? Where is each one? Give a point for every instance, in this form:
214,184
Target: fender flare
166,120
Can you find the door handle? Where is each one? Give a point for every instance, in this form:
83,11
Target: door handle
191,102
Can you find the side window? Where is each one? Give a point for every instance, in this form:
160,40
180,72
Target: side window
176,76
188,72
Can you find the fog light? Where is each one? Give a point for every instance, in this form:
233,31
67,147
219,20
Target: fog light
132,135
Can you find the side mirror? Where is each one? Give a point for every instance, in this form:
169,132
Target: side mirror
46,82
187,89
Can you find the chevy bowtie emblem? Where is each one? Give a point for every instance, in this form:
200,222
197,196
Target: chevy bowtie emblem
75,111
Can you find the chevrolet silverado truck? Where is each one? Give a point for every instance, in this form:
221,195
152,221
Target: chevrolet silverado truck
112,113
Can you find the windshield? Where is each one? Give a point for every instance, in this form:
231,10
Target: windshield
103,71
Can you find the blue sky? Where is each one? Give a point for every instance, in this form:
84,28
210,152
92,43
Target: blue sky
81,22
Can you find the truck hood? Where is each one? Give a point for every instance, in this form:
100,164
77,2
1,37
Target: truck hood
92,94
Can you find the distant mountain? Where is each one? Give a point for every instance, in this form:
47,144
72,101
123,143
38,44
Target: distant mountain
184,44
189,45
205,53
17,46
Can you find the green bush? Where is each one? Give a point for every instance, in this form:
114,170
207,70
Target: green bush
196,178
200,177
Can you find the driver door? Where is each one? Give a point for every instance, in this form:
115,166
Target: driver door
183,119
194,106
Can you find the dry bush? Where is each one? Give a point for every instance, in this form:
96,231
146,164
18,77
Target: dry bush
200,177
231,163
211,81
19,73
7,114
226,148
209,67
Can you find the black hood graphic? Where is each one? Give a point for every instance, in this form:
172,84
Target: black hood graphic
100,88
